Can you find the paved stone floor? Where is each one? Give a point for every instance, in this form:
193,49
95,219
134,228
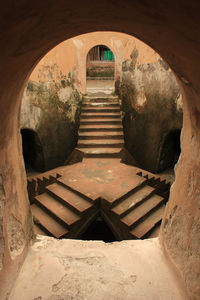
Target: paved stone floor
90,270
103,177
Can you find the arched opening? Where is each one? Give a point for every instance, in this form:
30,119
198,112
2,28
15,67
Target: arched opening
157,26
32,151
170,150
100,70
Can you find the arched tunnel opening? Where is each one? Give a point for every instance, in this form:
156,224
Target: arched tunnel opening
32,151
158,26
170,151
114,129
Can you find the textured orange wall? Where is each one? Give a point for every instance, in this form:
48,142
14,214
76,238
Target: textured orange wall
70,56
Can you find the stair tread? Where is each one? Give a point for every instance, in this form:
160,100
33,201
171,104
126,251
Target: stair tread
100,114
98,119
102,133
134,199
38,230
72,199
100,150
57,208
144,227
102,141
55,228
100,108
142,210
155,232
101,126
100,104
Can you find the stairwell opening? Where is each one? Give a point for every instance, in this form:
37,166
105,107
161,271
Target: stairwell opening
100,135
32,151
99,230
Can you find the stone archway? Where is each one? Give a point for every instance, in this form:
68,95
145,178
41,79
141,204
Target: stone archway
173,31
100,69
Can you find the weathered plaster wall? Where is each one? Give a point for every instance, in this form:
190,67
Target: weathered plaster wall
172,28
70,56
152,107
52,110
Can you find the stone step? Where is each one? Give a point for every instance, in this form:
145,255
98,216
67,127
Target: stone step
98,121
100,143
132,201
86,105
100,127
69,198
108,109
101,152
101,135
146,225
154,232
140,211
100,99
38,230
52,226
57,208
94,115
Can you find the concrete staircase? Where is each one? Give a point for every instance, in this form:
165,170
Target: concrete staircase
100,132
64,212
137,215
61,212
63,205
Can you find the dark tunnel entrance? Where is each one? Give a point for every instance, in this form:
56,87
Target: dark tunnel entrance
170,150
32,151
99,230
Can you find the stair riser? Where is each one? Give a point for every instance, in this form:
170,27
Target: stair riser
93,129
89,105
43,230
99,137
101,110
113,122
147,235
48,233
93,116
101,99
100,145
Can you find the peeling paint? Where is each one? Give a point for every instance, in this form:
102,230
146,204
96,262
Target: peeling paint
16,237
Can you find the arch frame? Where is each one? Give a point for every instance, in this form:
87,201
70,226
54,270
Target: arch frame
173,31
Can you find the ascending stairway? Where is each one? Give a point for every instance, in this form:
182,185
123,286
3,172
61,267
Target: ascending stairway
100,131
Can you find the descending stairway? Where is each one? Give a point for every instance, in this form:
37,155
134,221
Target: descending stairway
61,212
100,132
136,215
64,212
